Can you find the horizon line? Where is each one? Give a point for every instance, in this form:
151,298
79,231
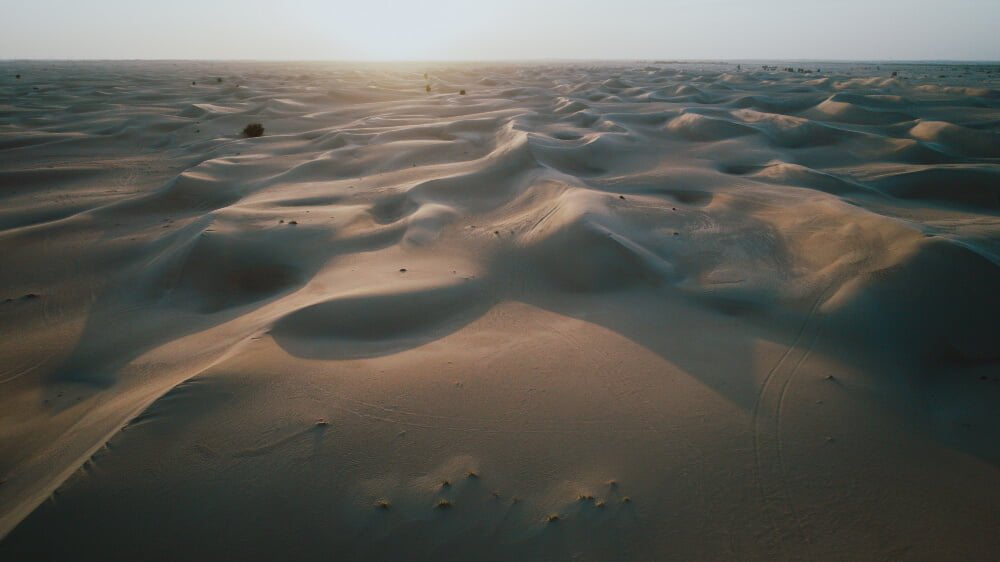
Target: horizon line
655,60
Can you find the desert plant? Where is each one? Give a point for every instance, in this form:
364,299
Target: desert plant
253,130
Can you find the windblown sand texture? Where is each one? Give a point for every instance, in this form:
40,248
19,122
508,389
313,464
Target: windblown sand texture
645,311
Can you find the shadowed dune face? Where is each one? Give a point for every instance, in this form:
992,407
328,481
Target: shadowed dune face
402,316
572,273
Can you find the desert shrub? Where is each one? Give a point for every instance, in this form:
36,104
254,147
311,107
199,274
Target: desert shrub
253,130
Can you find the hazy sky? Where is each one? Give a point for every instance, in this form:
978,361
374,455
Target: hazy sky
500,29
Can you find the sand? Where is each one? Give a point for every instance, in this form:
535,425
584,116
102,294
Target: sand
629,311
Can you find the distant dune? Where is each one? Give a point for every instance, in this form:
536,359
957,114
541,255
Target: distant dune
651,311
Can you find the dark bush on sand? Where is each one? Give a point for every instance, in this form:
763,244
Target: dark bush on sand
253,130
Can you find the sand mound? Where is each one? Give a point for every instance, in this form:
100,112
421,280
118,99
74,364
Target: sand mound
693,126
849,110
219,270
908,320
376,323
978,187
957,139
575,244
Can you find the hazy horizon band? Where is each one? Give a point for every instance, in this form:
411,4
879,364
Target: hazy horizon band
515,30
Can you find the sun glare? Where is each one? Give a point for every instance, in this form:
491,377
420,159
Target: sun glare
396,31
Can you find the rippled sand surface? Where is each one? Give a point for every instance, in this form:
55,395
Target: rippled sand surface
636,311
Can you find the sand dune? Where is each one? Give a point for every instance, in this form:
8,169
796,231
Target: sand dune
638,311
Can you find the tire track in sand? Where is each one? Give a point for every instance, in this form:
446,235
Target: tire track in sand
769,464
